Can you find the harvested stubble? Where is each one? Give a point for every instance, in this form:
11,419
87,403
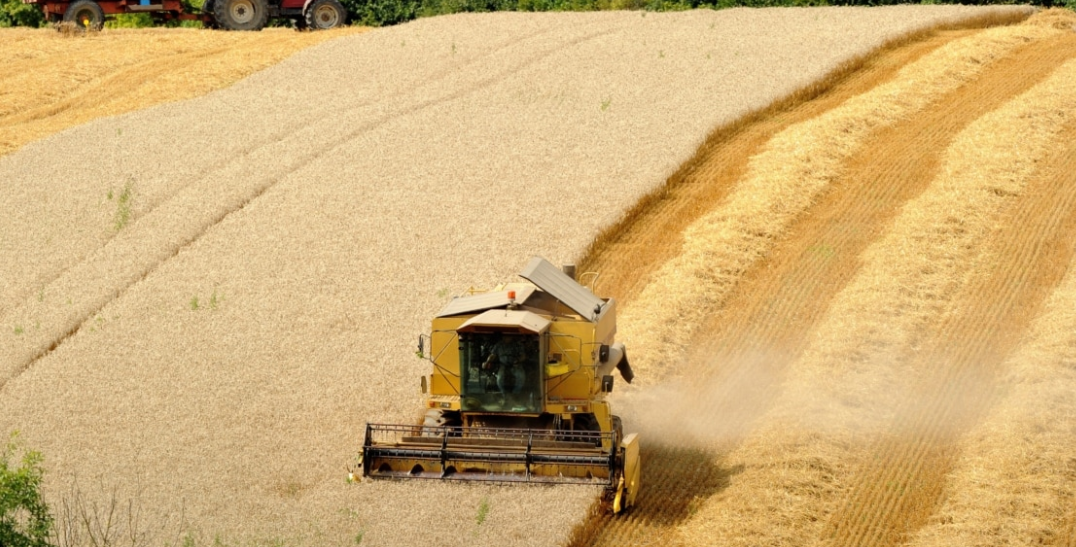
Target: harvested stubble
741,351
314,211
50,81
1014,481
782,182
841,394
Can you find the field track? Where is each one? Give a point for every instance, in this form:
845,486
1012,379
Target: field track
885,486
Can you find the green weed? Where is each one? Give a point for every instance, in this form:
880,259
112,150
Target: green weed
606,102
483,510
194,303
123,206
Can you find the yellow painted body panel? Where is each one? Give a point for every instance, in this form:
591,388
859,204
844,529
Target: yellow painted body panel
572,345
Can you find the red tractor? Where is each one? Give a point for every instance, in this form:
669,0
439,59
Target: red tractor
226,14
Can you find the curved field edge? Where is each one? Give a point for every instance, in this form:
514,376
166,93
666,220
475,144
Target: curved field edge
624,275
588,530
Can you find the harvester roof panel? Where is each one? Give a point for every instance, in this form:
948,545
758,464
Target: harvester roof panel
507,318
552,280
485,301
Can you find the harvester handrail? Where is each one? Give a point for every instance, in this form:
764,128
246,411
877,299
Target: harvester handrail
464,432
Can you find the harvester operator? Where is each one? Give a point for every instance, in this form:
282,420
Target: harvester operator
506,358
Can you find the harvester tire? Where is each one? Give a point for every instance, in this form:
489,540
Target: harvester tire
241,14
325,14
85,14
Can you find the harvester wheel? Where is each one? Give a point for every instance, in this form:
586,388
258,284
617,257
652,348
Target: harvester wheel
241,14
85,14
325,14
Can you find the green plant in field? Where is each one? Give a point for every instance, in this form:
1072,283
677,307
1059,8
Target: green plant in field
606,102
18,329
358,537
25,520
123,206
442,292
483,510
194,303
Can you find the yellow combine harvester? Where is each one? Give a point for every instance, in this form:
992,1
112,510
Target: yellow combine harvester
517,392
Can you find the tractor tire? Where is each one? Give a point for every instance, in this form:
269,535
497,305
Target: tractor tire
207,9
85,14
325,14
241,14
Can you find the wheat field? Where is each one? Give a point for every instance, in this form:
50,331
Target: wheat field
200,312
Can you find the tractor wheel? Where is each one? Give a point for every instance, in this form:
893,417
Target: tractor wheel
325,14
241,14
86,14
207,9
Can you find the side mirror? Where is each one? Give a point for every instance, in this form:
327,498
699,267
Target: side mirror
421,353
424,385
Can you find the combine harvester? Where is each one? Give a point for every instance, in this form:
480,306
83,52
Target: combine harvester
517,392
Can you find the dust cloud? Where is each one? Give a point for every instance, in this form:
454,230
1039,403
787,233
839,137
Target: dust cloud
765,394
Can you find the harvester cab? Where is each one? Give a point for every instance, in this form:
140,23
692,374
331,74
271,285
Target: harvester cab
517,392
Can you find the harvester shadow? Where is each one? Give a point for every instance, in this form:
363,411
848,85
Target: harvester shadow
675,481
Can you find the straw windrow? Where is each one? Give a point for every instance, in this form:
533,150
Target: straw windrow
843,392
782,182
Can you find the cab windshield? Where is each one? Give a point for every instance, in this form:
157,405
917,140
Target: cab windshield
500,372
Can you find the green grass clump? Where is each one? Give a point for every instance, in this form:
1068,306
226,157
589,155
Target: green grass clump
25,520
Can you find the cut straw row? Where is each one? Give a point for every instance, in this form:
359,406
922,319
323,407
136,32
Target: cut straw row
782,182
847,383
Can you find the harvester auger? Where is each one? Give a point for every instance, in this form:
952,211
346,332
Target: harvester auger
517,392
